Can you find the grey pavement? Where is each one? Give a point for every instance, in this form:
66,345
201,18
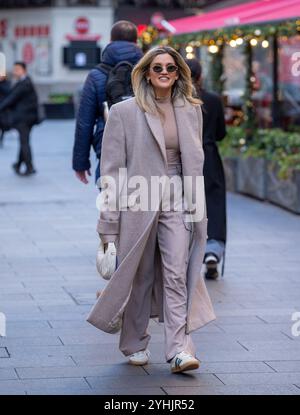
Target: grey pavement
48,282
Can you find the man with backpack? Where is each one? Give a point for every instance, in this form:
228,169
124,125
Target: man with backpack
108,82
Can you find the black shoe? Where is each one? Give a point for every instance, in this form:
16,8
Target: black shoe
28,172
211,262
16,167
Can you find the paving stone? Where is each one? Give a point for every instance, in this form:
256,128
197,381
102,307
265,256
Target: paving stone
7,373
103,391
285,366
168,379
29,360
283,346
44,384
80,371
29,342
260,378
3,351
258,329
216,368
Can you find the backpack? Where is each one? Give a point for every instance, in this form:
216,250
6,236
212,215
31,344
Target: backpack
118,84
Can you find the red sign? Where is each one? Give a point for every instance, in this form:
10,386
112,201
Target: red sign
28,53
156,18
141,28
3,28
82,25
32,31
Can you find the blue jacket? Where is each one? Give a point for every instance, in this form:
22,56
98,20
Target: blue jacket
90,122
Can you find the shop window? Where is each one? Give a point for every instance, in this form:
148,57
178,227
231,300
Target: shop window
289,82
262,94
234,83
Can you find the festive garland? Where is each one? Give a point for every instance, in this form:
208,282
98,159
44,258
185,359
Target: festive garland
215,40
147,37
225,35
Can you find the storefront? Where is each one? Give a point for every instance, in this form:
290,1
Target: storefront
250,54
58,44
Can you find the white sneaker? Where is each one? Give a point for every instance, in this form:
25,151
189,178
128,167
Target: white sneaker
139,358
184,361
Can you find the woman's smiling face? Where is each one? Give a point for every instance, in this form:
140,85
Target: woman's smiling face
162,81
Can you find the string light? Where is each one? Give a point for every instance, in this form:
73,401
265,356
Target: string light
190,56
213,49
239,41
233,43
265,44
189,49
253,42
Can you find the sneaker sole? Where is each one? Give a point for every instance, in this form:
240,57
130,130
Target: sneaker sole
138,363
186,366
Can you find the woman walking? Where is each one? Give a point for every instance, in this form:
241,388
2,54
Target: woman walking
158,133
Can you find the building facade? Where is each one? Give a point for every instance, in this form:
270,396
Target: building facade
59,44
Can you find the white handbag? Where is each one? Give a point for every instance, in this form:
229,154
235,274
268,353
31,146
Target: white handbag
106,262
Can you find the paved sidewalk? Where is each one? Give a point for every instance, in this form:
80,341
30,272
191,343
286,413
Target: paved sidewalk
48,283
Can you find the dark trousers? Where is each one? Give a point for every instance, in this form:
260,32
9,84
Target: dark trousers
25,155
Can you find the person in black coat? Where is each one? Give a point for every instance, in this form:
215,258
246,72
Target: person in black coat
19,110
214,130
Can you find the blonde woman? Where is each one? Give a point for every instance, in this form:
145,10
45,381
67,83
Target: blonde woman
158,133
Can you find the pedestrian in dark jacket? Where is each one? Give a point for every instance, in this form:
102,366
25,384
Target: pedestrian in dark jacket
90,118
19,110
4,91
214,130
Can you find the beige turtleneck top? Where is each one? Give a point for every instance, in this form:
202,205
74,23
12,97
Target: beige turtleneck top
169,123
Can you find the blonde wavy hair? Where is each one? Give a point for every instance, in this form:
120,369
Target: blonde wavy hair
143,91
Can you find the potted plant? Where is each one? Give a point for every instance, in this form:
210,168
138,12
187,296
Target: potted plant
283,172
229,150
252,168
60,106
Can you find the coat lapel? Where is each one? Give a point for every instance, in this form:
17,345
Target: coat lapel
188,136
157,131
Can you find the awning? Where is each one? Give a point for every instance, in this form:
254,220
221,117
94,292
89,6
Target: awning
247,13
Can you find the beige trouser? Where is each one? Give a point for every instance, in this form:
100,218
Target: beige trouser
172,236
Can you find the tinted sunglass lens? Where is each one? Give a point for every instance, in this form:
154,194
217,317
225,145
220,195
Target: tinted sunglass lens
157,68
171,68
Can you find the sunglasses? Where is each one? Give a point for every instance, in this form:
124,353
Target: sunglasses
170,68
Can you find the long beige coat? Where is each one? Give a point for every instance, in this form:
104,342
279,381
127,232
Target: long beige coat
134,139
